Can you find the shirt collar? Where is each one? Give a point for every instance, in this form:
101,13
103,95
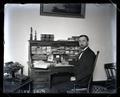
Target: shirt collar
85,48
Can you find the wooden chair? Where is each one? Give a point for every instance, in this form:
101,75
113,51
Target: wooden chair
88,87
110,69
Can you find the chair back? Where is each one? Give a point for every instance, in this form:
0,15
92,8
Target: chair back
110,69
91,78
96,57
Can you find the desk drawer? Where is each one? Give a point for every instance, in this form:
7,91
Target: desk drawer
40,79
39,74
40,71
38,85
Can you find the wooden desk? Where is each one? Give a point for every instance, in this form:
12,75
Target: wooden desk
16,87
42,77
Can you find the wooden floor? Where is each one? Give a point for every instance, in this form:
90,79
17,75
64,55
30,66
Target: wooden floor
98,87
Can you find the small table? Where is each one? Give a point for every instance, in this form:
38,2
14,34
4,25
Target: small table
17,87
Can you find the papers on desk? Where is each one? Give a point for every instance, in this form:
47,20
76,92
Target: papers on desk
41,64
45,65
62,65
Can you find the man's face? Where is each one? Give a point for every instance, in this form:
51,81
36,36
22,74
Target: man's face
83,42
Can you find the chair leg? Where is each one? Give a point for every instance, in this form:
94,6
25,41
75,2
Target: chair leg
74,89
88,90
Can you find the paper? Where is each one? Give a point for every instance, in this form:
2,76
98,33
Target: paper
62,65
41,64
50,58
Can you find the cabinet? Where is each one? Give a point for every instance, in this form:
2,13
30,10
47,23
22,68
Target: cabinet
39,51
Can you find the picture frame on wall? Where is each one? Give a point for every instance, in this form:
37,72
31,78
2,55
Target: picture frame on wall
75,10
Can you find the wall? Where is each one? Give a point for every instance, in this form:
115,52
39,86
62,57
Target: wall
99,24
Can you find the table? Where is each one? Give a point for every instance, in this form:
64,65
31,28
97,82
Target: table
10,86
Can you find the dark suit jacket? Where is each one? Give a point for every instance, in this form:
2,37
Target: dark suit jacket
84,66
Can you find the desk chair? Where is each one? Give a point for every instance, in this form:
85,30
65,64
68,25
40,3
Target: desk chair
88,87
110,69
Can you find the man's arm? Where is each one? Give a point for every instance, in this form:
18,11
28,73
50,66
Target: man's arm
85,66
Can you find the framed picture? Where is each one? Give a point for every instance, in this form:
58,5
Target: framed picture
63,9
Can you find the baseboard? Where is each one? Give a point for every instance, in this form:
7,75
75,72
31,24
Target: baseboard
101,83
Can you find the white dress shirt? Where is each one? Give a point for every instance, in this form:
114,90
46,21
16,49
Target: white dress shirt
83,51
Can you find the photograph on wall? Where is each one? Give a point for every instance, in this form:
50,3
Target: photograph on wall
63,9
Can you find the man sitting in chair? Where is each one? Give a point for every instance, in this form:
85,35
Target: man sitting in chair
84,66
85,62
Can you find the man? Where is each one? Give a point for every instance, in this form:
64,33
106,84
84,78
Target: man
84,66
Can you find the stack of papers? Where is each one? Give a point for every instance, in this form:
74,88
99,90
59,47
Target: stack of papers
62,65
41,64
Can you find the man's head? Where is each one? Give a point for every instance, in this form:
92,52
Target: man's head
83,41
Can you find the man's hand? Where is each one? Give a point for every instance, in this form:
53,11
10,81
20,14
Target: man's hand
72,78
